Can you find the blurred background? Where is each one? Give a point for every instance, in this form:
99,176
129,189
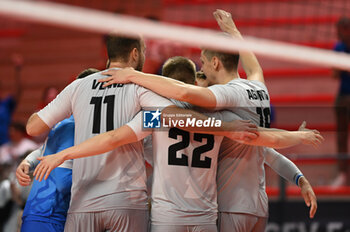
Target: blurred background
37,61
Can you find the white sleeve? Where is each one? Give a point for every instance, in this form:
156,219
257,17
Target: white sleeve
282,165
226,96
151,99
32,157
60,108
136,124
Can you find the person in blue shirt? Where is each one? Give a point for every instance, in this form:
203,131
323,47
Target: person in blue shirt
48,201
8,103
342,104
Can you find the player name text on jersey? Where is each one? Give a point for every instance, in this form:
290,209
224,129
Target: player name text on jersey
257,95
96,84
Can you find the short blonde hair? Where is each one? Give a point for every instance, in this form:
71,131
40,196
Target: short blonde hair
180,68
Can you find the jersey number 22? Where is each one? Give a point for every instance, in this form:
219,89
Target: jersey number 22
196,156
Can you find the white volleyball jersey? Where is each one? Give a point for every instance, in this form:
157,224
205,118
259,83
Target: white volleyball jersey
117,178
241,173
184,190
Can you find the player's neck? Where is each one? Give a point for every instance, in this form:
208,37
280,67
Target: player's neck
116,64
226,77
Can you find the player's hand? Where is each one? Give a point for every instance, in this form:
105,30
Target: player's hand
117,76
46,165
22,173
242,130
308,195
224,20
310,137
302,127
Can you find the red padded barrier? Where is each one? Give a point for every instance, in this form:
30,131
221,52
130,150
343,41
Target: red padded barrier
10,33
293,191
321,98
302,73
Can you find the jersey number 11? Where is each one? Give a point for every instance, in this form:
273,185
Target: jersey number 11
97,102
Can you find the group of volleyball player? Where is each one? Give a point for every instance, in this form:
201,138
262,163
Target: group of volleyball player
204,179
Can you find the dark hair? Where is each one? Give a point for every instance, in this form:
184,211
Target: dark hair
201,75
180,68
87,72
119,47
343,22
228,60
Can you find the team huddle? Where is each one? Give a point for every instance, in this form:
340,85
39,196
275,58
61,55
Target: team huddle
204,179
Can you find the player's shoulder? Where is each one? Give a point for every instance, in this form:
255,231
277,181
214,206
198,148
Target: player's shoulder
239,82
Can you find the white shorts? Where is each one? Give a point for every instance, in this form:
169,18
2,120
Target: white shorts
121,220
184,228
239,222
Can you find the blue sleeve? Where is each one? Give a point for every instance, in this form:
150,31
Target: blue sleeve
10,103
65,135
339,47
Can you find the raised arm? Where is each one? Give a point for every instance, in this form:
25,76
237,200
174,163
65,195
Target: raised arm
163,86
249,61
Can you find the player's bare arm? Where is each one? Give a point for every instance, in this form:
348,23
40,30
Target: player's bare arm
249,61
276,138
96,145
308,195
36,126
245,132
163,86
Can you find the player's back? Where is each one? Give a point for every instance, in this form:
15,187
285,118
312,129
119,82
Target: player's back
184,178
115,179
241,174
